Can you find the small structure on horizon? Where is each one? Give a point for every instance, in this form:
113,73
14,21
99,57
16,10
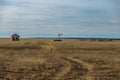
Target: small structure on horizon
59,37
15,37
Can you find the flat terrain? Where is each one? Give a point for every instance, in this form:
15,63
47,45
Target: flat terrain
44,59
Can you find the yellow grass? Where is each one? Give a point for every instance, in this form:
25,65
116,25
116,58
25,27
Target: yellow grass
44,59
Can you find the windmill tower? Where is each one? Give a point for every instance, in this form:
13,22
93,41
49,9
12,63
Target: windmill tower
59,36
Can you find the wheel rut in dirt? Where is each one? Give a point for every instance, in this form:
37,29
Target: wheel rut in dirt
74,69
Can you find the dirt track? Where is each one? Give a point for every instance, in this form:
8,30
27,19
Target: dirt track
70,62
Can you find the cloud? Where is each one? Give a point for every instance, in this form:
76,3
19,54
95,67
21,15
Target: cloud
71,17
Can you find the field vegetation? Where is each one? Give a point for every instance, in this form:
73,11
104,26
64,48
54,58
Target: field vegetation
45,59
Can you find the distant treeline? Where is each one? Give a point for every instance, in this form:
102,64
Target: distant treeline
95,39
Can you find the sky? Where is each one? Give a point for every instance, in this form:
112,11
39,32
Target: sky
72,18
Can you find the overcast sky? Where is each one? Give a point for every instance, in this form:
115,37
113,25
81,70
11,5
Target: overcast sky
73,18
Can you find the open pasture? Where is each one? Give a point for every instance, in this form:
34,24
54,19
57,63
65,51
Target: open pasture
44,59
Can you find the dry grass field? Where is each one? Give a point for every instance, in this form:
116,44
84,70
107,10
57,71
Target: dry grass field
44,59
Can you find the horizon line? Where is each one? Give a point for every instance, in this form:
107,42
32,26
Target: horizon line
61,37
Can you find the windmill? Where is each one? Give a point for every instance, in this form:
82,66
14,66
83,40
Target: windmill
59,36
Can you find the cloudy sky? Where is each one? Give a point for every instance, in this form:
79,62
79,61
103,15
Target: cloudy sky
73,18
